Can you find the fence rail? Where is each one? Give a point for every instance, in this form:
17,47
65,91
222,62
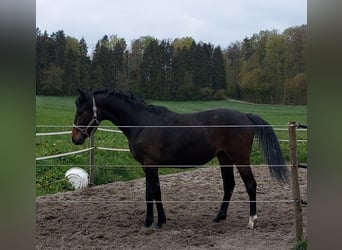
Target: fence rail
63,154
105,129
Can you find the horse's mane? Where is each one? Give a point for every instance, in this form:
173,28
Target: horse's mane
130,98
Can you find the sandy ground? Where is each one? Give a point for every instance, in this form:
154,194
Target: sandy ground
111,216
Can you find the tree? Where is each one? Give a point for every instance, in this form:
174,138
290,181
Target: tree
295,39
254,86
151,70
183,55
71,66
183,43
219,74
202,74
59,48
266,67
166,60
295,90
84,65
52,81
42,56
135,58
103,65
233,55
248,47
118,60
274,67
96,77
71,74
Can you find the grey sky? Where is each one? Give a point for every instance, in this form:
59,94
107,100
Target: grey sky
219,22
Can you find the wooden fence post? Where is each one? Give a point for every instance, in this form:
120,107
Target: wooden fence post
295,182
91,160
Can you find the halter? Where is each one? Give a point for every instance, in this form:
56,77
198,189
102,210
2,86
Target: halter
85,130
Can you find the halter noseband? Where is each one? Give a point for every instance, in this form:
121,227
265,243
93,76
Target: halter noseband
85,130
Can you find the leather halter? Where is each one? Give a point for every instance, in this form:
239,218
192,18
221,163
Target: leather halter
84,130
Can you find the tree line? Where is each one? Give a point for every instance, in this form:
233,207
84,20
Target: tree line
268,67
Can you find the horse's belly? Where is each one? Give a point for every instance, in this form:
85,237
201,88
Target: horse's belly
190,155
175,147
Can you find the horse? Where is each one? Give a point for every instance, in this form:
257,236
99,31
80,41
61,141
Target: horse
159,137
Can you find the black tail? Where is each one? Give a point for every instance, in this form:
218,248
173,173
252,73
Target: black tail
270,148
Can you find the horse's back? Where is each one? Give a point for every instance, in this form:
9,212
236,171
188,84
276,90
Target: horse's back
223,117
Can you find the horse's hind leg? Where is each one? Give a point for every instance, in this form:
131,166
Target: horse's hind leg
228,184
250,183
159,205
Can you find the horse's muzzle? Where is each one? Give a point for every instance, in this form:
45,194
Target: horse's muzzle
77,137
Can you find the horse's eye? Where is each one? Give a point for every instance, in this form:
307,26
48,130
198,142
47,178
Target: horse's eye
79,112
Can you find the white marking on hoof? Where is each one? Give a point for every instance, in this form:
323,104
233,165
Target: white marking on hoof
252,221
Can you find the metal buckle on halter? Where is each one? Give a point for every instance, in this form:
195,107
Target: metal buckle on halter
79,128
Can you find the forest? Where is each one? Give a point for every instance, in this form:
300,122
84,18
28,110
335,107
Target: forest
268,67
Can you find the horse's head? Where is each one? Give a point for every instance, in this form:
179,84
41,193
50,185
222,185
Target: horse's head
85,121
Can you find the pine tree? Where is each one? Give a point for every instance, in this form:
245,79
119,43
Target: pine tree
71,73
219,74
84,65
59,48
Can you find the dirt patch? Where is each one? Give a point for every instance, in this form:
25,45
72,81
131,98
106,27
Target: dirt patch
111,216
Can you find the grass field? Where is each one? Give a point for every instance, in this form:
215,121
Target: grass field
115,166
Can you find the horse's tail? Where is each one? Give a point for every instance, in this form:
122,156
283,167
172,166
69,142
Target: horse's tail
270,148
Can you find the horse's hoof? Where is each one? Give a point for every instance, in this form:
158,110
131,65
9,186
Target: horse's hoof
159,225
162,220
252,221
148,223
218,218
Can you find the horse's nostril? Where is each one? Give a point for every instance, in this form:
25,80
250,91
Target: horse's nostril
78,140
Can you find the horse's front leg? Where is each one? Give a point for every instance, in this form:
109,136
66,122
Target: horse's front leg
149,198
153,193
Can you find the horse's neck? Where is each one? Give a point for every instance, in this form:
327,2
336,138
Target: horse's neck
121,113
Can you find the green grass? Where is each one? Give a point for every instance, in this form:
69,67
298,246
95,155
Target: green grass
117,166
301,245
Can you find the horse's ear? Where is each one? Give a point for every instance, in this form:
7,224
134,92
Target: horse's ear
82,93
85,95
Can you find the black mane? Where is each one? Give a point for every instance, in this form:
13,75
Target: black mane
129,97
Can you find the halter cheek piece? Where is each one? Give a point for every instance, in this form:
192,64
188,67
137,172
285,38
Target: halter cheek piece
90,124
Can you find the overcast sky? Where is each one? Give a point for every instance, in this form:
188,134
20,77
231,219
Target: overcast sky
219,22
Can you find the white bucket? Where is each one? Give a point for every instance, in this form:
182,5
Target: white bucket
78,177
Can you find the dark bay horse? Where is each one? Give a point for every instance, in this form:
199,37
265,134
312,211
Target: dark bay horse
160,137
